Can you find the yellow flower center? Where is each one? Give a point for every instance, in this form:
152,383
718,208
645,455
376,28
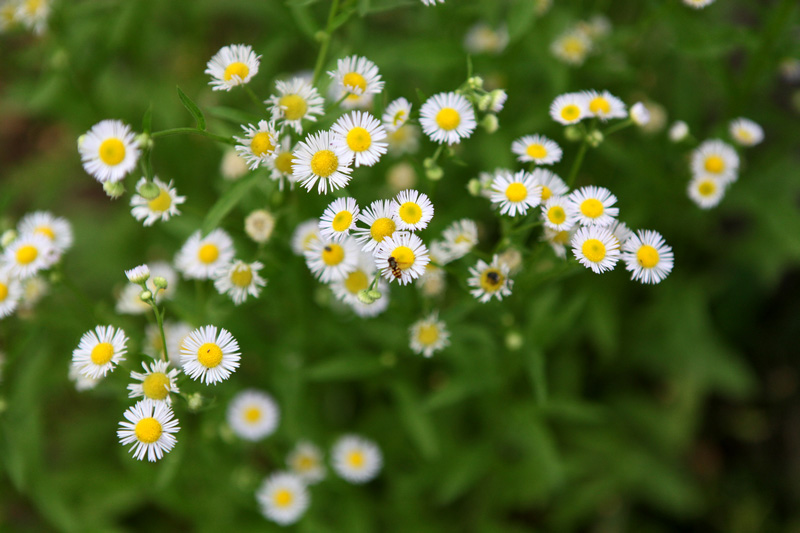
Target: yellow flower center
516,192
592,207
353,81
462,239
308,239
111,151
570,112
536,151
356,281
27,254
284,162
448,118
283,498
162,202
492,279
714,164
593,250
355,459
148,430
358,139
398,117
47,231
556,215
428,334
3,291
404,257
304,463
573,46
382,228
252,414
102,353
647,256
261,144
209,355
324,163
410,213
401,134
156,386
707,188
561,237
242,276
600,106
332,254
744,135
208,253
546,193
342,221
32,6
294,106
237,68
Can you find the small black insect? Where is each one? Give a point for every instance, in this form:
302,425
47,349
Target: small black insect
493,277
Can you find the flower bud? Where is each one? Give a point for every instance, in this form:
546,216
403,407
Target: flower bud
594,138
145,141
8,237
364,297
374,294
573,133
489,123
160,283
475,82
114,189
148,190
146,296
194,401
679,131
474,187
484,102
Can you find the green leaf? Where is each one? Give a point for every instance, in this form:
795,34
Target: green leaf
147,120
228,201
192,108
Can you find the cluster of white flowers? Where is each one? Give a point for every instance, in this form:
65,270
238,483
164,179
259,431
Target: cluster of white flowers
26,253
575,44
29,14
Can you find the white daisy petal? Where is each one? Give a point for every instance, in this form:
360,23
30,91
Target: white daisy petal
209,356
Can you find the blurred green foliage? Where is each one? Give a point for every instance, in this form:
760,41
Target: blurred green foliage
626,408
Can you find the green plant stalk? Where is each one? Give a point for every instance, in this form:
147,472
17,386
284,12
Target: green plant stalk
259,104
323,49
576,165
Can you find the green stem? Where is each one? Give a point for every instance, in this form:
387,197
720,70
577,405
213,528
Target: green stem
323,49
193,131
619,126
576,165
160,321
259,104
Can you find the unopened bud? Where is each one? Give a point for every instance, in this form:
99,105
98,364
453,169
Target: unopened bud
374,294
364,297
485,102
499,97
434,173
321,36
475,82
144,141
114,189
489,123
160,282
573,133
194,401
594,138
474,187
148,190
8,237
146,296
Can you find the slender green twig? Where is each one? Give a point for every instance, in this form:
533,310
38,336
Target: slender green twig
326,39
576,165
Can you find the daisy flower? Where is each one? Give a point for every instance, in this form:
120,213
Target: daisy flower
232,167
339,218
536,149
347,289
283,498
552,185
33,290
356,459
593,205
482,38
109,151
33,14
570,108
138,274
305,460
429,335
253,415
239,280
401,176
150,428
412,210
259,225
515,194
557,240
330,260
99,351
233,65
706,191
746,132
640,114
57,229
490,280
297,100
572,47
460,238
404,140
433,282
201,257
209,356
678,131
402,257
29,254
362,135
162,207
280,165
380,225
605,105
447,118
356,76
258,145
10,293
715,158
396,114
317,158
155,383
432,2
559,214
305,234
647,256
596,248
698,4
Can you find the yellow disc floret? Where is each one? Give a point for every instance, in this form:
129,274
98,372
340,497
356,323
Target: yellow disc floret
209,355
714,164
47,231
355,459
156,386
536,151
242,276
208,253
261,144
284,162
148,430
358,139
342,221
594,250
3,291
571,112
428,334
707,188
283,498
410,213
112,151
382,228
294,106
102,353
516,192
448,118
600,106
404,257
27,254
354,82
160,203
592,207
556,215
324,163
356,281
647,256
237,68
332,254
252,414
492,279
